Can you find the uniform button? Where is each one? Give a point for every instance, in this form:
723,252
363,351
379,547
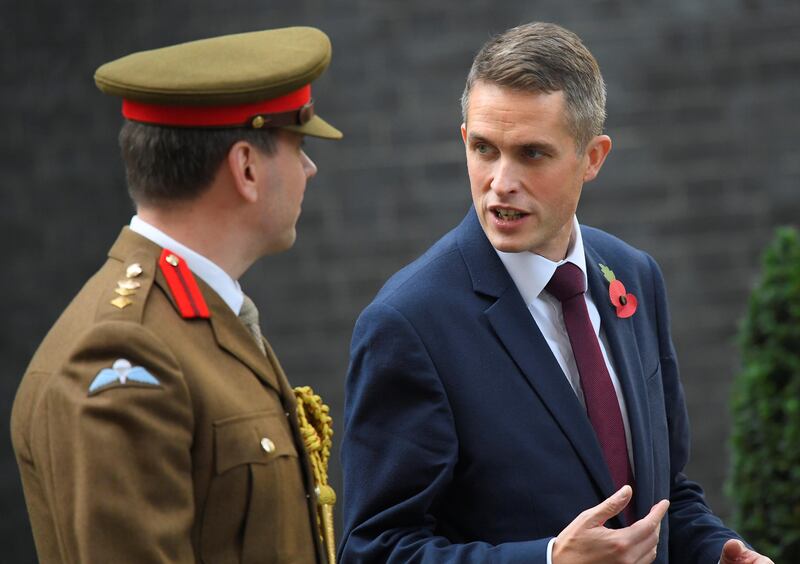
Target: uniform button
287,414
267,445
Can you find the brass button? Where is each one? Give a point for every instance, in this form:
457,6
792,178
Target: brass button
305,113
258,122
267,445
172,259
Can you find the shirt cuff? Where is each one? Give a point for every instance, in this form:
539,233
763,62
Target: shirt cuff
550,550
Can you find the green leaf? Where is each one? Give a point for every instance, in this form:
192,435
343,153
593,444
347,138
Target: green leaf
608,273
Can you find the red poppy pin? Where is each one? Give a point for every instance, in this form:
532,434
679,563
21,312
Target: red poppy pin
620,298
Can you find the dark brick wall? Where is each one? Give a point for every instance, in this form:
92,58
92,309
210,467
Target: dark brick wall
704,102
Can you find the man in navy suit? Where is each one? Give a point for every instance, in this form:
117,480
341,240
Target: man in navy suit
513,394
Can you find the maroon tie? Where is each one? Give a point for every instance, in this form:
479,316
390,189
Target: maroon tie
568,286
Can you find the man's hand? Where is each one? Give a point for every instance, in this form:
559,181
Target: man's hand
587,540
735,552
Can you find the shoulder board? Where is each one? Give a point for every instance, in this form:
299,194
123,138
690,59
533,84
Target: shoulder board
183,286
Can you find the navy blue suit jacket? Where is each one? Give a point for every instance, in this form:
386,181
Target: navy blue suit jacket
463,440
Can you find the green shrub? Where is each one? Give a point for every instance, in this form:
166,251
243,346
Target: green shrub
765,481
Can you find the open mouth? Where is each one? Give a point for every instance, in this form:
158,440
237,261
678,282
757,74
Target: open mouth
507,214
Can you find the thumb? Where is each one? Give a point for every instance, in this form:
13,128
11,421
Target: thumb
610,507
731,551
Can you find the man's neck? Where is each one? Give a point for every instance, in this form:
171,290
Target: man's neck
208,234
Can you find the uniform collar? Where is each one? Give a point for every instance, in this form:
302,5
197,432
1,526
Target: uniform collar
531,272
228,289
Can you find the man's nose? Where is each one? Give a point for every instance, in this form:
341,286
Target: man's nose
308,166
506,178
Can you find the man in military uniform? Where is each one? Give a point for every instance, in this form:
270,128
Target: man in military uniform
154,423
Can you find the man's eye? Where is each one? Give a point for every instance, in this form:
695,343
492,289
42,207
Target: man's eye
482,148
532,153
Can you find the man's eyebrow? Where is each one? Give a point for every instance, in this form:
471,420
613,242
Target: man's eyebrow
477,138
542,146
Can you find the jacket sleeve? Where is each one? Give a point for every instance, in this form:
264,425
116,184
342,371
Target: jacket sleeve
696,534
399,450
116,461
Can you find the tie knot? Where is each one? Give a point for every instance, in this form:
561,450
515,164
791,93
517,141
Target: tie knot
567,282
249,317
249,313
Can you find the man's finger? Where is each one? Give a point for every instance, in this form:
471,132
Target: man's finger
658,511
736,551
611,506
731,551
650,523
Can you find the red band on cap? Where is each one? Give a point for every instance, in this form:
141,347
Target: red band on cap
214,116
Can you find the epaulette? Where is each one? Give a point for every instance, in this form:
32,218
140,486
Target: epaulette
183,286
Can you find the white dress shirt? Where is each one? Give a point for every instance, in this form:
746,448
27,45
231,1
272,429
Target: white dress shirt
531,273
219,280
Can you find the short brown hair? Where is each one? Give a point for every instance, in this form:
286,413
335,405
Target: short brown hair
543,57
167,164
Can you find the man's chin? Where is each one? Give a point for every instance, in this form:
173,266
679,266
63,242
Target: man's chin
508,237
279,244
507,245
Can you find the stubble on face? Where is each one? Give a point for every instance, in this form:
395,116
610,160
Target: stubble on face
287,172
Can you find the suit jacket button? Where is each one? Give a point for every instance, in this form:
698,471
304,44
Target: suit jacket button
267,445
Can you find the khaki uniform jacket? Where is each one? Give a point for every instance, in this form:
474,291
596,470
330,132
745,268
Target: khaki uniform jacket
176,471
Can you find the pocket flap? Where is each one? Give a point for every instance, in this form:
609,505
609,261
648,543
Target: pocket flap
255,438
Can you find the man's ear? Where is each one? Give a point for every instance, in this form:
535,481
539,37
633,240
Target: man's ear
242,159
464,132
596,152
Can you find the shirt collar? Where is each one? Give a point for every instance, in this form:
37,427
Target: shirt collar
531,272
219,280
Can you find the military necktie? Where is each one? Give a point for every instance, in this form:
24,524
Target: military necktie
249,316
602,405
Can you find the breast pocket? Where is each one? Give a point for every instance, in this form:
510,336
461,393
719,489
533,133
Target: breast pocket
256,509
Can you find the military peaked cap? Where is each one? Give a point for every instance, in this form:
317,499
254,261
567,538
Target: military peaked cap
254,80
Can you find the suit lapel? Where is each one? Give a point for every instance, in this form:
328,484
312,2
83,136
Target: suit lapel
524,342
232,335
514,326
627,363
